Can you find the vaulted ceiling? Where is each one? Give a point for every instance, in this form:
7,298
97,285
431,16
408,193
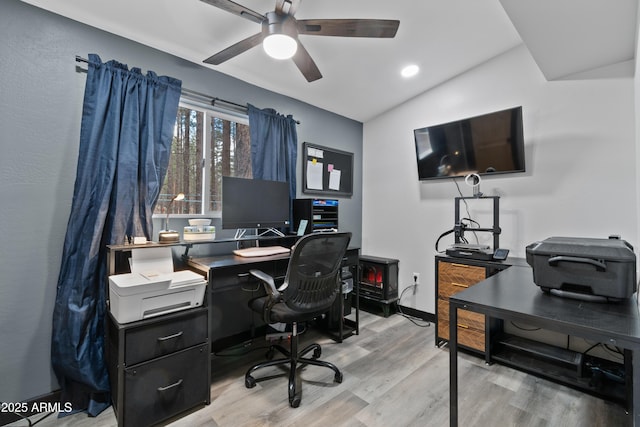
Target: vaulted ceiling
361,76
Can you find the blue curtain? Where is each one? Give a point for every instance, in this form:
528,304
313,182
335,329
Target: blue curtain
274,146
125,141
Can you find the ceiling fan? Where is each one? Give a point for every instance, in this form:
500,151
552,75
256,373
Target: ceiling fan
282,24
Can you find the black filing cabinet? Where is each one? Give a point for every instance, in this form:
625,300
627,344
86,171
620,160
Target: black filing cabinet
159,367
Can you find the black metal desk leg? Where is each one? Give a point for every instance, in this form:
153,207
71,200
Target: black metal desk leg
453,365
635,391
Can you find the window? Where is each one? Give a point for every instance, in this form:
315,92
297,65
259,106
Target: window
207,145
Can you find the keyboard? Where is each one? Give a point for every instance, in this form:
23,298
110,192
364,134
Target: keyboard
261,251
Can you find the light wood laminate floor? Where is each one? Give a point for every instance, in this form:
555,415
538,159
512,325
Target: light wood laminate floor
393,376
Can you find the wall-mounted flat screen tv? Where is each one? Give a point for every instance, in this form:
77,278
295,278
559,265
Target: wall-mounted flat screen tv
254,203
488,144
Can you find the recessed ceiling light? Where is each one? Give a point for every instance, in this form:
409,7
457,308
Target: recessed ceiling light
410,71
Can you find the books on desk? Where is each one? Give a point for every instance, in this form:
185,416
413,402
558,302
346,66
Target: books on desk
261,251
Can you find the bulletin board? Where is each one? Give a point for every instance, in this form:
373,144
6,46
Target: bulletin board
326,171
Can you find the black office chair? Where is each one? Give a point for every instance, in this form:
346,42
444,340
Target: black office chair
309,289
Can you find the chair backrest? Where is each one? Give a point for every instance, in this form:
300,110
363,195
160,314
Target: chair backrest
314,270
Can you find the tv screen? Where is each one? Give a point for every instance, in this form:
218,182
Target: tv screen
254,203
488,144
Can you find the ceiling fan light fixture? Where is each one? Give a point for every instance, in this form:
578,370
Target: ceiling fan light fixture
280,31
280,46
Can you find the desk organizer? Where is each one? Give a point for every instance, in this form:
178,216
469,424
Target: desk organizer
194,233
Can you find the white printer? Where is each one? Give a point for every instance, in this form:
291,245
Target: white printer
153,288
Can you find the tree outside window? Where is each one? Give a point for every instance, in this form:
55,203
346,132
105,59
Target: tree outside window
207,145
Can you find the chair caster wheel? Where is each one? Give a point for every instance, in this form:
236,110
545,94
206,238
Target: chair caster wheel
249,381
295,402
338,377
317,353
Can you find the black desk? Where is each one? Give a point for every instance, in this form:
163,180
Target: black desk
231,286
512,295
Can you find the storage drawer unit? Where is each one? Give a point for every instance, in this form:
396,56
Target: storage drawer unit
454,278
454,275
159,367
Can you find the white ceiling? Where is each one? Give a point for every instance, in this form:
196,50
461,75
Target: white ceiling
361,77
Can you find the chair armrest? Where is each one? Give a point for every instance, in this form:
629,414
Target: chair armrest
270,284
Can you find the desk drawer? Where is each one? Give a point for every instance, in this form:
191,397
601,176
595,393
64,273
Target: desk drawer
471,326
234,277
454,278
162,388
165,336
466,319
471,338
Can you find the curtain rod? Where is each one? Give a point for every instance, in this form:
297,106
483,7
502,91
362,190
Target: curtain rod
211,99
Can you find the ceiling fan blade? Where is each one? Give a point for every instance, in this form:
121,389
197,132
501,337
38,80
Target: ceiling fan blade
382,28
234,50
237,9
287,7
305,64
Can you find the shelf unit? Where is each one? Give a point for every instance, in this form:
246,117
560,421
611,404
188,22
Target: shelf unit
119,254
593,375
320,214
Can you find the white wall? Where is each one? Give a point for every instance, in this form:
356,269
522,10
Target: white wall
580,161
637,104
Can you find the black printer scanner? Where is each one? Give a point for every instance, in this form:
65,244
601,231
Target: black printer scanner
584,268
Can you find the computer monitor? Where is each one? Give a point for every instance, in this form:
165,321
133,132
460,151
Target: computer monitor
254,203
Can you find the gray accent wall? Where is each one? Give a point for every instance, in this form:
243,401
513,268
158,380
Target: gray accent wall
41,93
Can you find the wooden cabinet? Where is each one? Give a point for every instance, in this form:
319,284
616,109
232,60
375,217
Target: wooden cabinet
454,275
452,278
159,367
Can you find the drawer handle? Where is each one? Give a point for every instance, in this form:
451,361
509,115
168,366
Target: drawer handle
170,386
460,285
243,275
460,325
170,337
